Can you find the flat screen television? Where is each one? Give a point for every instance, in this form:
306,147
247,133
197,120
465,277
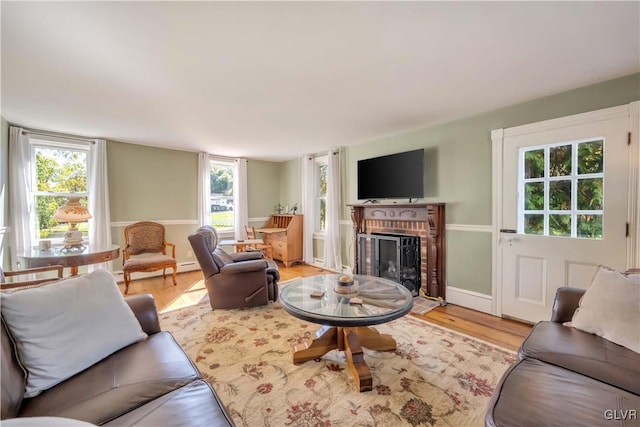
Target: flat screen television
395,176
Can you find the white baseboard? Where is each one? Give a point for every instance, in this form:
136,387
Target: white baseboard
469,299
182,268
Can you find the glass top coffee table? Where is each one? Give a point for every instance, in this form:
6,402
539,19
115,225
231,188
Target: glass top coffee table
346,312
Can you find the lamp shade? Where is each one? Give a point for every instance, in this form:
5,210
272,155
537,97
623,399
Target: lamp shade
72,211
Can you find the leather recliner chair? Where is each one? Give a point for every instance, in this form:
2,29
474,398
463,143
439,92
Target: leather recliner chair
243,279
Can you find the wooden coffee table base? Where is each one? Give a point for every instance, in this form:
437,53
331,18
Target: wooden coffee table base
349,340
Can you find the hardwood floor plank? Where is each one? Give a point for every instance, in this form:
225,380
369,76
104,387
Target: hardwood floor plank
190,290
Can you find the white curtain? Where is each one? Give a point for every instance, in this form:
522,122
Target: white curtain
204,190
308,207
21,206
240,199
332,252
98,200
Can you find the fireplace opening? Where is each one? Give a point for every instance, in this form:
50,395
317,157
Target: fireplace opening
394,257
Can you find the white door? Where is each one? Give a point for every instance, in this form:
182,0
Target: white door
564,207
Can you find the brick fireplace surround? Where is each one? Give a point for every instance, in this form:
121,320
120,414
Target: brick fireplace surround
425,220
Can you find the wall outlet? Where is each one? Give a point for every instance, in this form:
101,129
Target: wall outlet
189,254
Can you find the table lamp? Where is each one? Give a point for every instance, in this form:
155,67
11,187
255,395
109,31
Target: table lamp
73,213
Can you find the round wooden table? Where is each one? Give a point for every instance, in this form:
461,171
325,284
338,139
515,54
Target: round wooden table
346,317
92,254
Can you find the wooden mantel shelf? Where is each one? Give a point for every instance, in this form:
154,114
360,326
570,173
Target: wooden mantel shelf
397,205
392,218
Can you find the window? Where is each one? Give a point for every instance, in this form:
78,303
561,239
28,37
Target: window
561,190
320,174
59,170
221,178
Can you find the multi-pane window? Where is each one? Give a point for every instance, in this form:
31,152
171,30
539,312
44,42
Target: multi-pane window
59,170
561,190
321,192
222,174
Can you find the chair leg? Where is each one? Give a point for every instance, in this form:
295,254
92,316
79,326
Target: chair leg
127,279
174,276
164,273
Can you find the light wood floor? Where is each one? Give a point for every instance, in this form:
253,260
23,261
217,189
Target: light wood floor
190,290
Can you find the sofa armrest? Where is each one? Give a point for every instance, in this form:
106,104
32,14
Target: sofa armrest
245,256
244,267
565,303
144,308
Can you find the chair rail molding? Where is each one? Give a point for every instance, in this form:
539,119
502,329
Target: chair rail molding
469,227
159,221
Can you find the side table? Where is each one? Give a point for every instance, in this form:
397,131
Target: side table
92,254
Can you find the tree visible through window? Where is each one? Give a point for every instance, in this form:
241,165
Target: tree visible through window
561,190
59,171
321,192
221,184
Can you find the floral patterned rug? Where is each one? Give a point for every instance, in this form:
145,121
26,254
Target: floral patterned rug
436,377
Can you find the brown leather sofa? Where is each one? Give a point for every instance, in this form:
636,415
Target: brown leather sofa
149,383
234,280
566,377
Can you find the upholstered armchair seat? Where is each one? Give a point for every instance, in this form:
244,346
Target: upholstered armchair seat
148,262
243,279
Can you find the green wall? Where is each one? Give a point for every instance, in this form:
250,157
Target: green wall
458,170
152,183
291,183
263,186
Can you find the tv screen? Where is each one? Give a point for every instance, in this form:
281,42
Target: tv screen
395,176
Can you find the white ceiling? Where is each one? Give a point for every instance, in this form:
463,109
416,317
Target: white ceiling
271,80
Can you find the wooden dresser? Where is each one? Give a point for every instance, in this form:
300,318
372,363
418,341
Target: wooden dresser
284,234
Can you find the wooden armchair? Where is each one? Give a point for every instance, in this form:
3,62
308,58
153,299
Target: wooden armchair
264,248
146,250
30,282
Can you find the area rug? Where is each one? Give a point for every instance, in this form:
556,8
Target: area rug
436,377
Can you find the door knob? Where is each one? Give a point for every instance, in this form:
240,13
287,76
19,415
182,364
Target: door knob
511,239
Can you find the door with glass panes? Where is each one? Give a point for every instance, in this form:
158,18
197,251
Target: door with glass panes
564,208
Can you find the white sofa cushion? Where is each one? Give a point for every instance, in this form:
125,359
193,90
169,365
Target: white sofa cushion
610,308
65,327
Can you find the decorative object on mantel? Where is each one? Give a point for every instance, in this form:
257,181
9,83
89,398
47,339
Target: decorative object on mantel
293,209
73,213
278,208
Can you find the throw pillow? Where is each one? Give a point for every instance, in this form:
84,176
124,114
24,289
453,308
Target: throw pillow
65,327
610,308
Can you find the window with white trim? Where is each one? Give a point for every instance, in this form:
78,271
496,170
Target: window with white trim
561,189
320,186
59,170
221,177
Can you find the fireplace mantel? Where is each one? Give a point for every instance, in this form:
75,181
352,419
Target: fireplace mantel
426,220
